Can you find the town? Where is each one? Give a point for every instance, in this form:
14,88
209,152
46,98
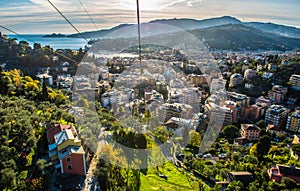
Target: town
82,111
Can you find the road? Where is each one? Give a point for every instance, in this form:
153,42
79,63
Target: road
91,183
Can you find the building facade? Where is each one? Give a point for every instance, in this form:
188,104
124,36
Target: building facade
295,81
293,122
250,131
236,79
276,115
249,74
277,94
257,111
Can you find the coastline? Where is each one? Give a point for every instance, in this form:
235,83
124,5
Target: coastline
53,42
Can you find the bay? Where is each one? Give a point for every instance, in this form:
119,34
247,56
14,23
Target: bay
55,43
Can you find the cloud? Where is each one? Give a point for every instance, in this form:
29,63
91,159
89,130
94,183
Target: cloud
56,2
186,3
191,3
171,3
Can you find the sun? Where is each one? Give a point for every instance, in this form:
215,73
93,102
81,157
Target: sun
145,5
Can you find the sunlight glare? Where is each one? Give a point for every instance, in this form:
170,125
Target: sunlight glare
145,5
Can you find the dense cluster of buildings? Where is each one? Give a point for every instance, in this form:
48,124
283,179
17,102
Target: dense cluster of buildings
178,101
164,88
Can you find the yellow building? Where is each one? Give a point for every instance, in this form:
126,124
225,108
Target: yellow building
65,139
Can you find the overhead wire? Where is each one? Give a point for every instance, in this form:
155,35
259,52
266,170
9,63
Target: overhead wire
139,30
10,30
68,21
139,36
88,14
56,53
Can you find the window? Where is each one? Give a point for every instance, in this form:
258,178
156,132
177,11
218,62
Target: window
69,167
68,159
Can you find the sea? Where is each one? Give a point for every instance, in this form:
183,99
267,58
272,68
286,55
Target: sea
55,43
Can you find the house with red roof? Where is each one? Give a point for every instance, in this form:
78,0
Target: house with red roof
65,148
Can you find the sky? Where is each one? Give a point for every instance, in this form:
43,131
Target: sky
39,17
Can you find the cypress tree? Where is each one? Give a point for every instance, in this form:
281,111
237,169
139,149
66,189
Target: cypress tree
44,90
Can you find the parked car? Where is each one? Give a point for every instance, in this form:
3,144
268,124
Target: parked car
222,156
207,156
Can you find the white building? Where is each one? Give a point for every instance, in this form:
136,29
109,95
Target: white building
47,77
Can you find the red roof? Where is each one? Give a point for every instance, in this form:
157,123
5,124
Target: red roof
56,128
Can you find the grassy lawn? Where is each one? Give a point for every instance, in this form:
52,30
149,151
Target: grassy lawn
176,181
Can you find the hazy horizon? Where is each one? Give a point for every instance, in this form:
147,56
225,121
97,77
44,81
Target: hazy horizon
39,17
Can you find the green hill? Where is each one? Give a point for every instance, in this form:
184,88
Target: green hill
240,37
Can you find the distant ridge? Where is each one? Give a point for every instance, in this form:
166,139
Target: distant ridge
188,24
224,32
185,24
276,29
239,37
100,33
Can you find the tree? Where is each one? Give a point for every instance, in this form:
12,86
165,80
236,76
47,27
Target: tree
251,159
235,186
38,184
162,134
208,172
263,146
217,187
141,143
196,138
114,177
230,132
42,165
288,183
82,102
8,178
235,156
5,81
273,185
261,124
45,94
253,186
223,173
253,150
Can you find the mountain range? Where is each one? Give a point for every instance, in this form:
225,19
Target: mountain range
224,33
